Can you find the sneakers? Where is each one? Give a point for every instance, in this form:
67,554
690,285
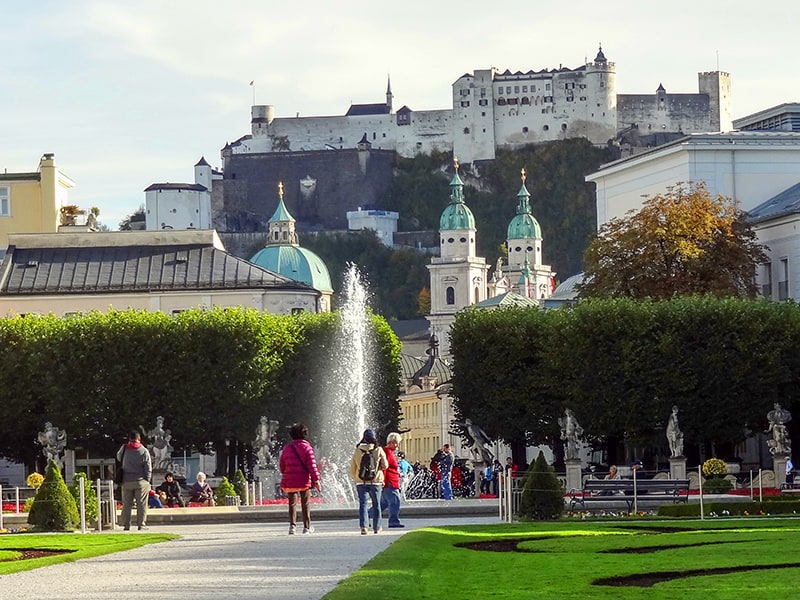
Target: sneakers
292,529
308,530
396,526
378,530
143,528
363,531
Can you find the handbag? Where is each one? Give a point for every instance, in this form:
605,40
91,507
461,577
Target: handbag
118,472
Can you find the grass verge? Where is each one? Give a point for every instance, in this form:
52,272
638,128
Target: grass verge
67,547
755,558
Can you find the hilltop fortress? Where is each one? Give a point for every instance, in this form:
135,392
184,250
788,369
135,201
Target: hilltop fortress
493,109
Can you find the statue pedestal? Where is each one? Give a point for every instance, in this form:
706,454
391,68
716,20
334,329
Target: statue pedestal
677,467
158,476
574,475
268,478
779,463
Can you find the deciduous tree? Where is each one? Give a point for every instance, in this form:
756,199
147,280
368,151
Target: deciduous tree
682,242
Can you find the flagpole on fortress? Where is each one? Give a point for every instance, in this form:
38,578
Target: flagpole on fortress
253,85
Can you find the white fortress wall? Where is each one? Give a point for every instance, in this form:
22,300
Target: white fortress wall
653,113
429,130
320,133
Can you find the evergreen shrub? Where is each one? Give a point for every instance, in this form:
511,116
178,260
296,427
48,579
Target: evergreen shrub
224,489
240,485
89,495
542,494
54,507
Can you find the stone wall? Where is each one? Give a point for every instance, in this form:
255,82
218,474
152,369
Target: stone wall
343,180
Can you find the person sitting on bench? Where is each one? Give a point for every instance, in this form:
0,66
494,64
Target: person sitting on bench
171,491
202,492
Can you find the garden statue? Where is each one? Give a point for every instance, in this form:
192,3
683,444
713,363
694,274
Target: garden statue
479,441
674,434
160,449
53,441
780,444
265,441
571,431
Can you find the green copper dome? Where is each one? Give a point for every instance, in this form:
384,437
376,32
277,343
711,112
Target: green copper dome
456,215
296,263
523,225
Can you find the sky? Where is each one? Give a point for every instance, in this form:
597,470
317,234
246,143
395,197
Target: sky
130,93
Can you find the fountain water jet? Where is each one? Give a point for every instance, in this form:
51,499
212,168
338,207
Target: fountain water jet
347,413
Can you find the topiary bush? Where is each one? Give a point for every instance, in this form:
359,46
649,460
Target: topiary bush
224,489
89,495
240,485
54,507
542,494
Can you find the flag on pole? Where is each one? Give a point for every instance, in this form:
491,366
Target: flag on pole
252,82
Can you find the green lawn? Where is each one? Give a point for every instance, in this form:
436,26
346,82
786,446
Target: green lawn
677,559
78,545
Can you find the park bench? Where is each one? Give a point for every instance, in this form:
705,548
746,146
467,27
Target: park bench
611,490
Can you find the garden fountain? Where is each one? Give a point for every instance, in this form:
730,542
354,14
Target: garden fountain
347,413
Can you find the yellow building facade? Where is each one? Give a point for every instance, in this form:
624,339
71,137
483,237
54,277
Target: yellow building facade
31,202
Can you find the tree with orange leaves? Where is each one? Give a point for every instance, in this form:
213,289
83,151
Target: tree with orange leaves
679,243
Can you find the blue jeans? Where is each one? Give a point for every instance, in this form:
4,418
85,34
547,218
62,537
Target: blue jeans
447,490
373,491
390,498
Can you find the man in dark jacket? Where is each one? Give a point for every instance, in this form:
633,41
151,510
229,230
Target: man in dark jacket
171,491
136,472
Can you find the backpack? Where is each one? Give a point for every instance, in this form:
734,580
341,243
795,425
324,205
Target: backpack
368,468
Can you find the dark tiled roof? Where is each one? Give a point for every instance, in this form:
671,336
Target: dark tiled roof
125,269
785,203
411,329
20,176
194,187
358,110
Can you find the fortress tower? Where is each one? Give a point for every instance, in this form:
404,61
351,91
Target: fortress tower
717,84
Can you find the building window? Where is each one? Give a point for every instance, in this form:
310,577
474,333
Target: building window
466,129
5,202
547,86
508,89
783,279
477,295
766,280
516,89
524,88
464,103
483,102
545,127
524,130
451,295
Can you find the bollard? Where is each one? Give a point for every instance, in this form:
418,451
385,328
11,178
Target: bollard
82,502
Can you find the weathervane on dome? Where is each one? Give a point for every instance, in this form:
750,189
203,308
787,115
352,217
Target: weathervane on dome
280,189
455,163
524,174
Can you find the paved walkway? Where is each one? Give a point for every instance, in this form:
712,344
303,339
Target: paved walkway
236,561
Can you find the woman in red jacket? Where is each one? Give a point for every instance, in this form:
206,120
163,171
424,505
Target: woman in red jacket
298,474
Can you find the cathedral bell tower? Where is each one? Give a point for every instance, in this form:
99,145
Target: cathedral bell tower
458,277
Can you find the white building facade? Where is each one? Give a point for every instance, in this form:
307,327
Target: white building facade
181,205
749,167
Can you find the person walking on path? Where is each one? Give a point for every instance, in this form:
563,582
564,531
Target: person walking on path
299,473
445,470
366,469
390,496
136,472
